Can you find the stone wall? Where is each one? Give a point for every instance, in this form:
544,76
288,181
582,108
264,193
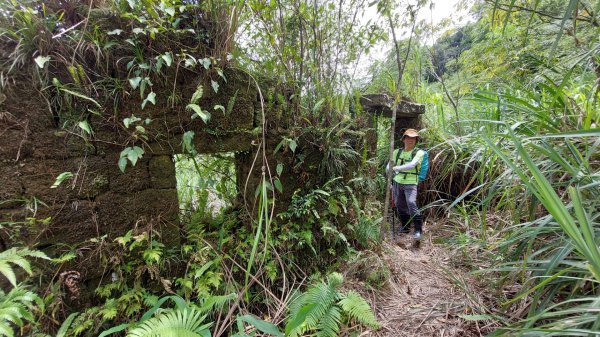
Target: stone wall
99,199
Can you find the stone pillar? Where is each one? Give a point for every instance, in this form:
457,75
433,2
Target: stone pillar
408,114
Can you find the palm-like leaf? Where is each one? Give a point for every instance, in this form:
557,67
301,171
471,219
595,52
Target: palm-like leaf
14,256
357,308
312,306
319,310
329,325
15,308
177,323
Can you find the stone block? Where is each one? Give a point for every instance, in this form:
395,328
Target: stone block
118,213
135,178
12,188
37,177
72,223
382,104
15,145
91,176
162,172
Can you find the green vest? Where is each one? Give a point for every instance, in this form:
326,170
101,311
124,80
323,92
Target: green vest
408,177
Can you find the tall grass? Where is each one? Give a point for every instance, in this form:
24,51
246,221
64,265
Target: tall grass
528,171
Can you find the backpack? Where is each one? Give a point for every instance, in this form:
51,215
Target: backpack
422,172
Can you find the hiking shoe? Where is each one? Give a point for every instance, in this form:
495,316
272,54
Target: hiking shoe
417,235
404,230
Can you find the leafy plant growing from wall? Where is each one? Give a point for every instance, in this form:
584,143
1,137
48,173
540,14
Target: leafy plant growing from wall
16,305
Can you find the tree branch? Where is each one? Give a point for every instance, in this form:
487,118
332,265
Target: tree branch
591,19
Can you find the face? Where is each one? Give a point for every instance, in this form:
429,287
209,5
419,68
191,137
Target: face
410,141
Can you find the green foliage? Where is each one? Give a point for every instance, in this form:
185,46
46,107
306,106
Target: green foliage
131,154
514,165
309,207
198,112
263,326
15,256
206,185
185,323
306,47
322,309
184,320
16,307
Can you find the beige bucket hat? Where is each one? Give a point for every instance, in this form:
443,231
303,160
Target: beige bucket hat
410,133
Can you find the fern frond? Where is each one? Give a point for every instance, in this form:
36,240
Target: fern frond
14,256
323,296
296,302
358,309
316,303
15,308
6,330
178,323
329,326
215,302
335,279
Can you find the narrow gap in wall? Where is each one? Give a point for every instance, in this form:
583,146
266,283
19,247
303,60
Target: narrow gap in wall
206,186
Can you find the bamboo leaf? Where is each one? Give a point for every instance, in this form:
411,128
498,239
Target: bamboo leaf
61,177
568,13
82,96
262,326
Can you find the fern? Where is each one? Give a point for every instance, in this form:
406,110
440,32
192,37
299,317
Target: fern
329,325
358,309
14,256
312,306
182,321
15,308
176,323
215,301
197,94
323,308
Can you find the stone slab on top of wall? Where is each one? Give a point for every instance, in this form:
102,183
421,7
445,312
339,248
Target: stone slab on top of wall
382,104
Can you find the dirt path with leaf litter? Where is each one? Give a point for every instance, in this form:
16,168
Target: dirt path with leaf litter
422,293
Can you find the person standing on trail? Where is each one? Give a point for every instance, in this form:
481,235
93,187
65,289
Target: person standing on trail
407,164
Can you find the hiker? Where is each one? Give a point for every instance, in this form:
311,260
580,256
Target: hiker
404,185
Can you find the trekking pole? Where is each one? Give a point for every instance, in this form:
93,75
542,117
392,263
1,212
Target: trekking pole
393,216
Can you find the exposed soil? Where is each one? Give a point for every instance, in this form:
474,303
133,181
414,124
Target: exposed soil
424,295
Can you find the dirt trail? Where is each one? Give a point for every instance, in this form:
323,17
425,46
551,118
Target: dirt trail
424,295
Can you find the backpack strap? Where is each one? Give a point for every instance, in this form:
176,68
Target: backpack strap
417,168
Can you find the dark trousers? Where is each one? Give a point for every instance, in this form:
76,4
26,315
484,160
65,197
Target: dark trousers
405,202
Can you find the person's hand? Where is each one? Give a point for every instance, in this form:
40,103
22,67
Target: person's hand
396,169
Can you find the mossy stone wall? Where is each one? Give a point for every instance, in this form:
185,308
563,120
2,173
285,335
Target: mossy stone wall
100,200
